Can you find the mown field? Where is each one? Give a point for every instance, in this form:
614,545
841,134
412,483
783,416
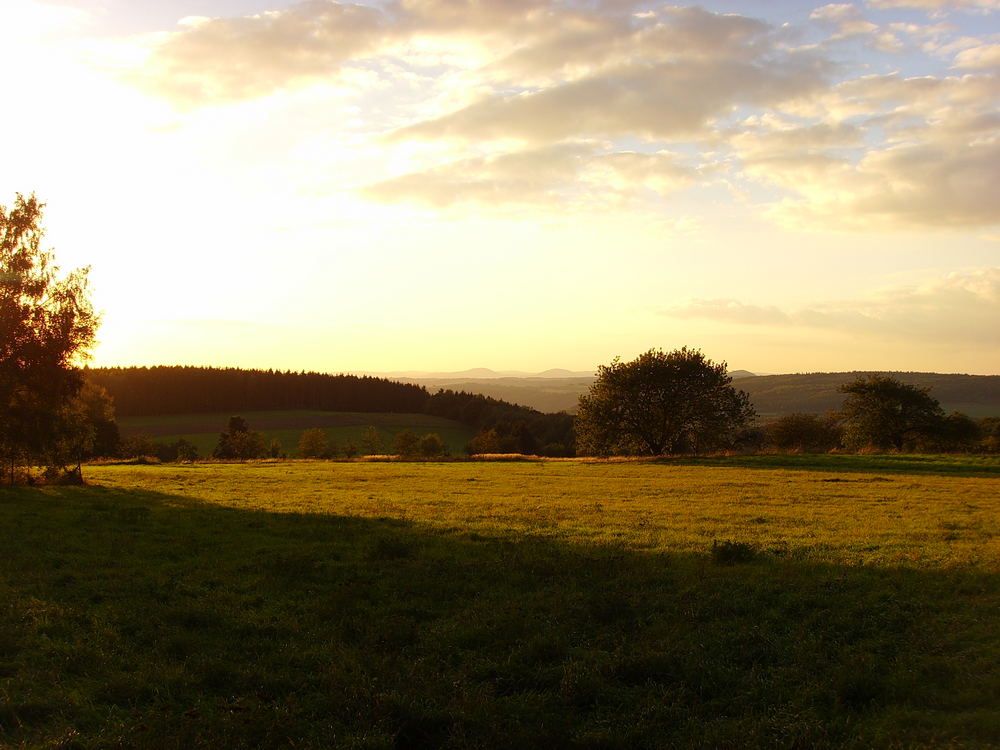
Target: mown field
510,604
287,427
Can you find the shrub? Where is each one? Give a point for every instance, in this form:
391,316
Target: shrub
730,552
314,444
431,445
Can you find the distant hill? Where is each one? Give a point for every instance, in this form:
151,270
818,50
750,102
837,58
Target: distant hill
772,395
478,373
546,394
776,395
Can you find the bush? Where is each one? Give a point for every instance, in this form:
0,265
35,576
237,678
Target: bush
431,445
809,433
314,444
732,553
405,443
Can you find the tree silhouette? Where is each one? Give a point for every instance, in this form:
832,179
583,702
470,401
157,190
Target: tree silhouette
883,413
660,403
47,324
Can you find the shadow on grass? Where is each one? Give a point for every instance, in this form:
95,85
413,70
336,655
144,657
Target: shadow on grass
139,619
957,465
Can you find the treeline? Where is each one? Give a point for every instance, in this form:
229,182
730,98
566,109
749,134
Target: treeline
503,427
155,391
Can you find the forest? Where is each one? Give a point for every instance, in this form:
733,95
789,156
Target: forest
503,427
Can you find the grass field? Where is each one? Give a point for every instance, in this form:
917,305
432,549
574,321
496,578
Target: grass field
287,427
531,604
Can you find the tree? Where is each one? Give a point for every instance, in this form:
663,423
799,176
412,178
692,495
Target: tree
314,444
660,403
86,428
432,445
371,442
883,413
240,442
989,430
804,432
47,325
405,443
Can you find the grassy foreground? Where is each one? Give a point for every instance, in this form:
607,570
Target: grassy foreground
544,604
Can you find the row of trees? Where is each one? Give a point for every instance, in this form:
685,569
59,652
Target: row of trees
151,391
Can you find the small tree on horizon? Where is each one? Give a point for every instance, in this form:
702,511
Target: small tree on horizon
883,413
314,444
371,441
240,442
405,443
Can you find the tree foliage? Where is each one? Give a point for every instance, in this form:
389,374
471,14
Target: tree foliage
47,325
240,442
882,413
810,433
660,403
314,444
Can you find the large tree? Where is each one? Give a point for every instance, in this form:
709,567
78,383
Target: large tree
883,413
47,325
660,403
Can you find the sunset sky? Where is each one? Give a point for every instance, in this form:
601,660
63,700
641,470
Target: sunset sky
517,184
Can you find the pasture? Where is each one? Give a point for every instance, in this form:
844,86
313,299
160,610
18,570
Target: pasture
287,427
508,604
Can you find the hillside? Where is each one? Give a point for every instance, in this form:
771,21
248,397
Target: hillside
776,395
772,395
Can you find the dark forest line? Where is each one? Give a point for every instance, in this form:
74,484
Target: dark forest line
162,390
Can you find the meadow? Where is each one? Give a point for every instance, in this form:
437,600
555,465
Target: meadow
842,602
202,430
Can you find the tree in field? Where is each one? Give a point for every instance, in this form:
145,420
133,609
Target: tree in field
405,443
314,444
486,441
660,403
86,428
371,442
240,442
432,445
883,413
47,325
804,432
989,432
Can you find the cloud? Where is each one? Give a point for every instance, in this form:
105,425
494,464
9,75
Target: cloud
212,59
980,56
490,88
889,153
541,177
666,100
925,185
937,5
948,310
847,19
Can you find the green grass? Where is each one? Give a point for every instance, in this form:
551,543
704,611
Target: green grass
542,604
287,427
885,463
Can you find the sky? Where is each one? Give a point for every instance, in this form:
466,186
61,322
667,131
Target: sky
389,185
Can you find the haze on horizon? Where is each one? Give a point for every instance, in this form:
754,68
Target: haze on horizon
439,185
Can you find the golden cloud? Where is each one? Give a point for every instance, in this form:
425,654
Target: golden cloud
944,310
